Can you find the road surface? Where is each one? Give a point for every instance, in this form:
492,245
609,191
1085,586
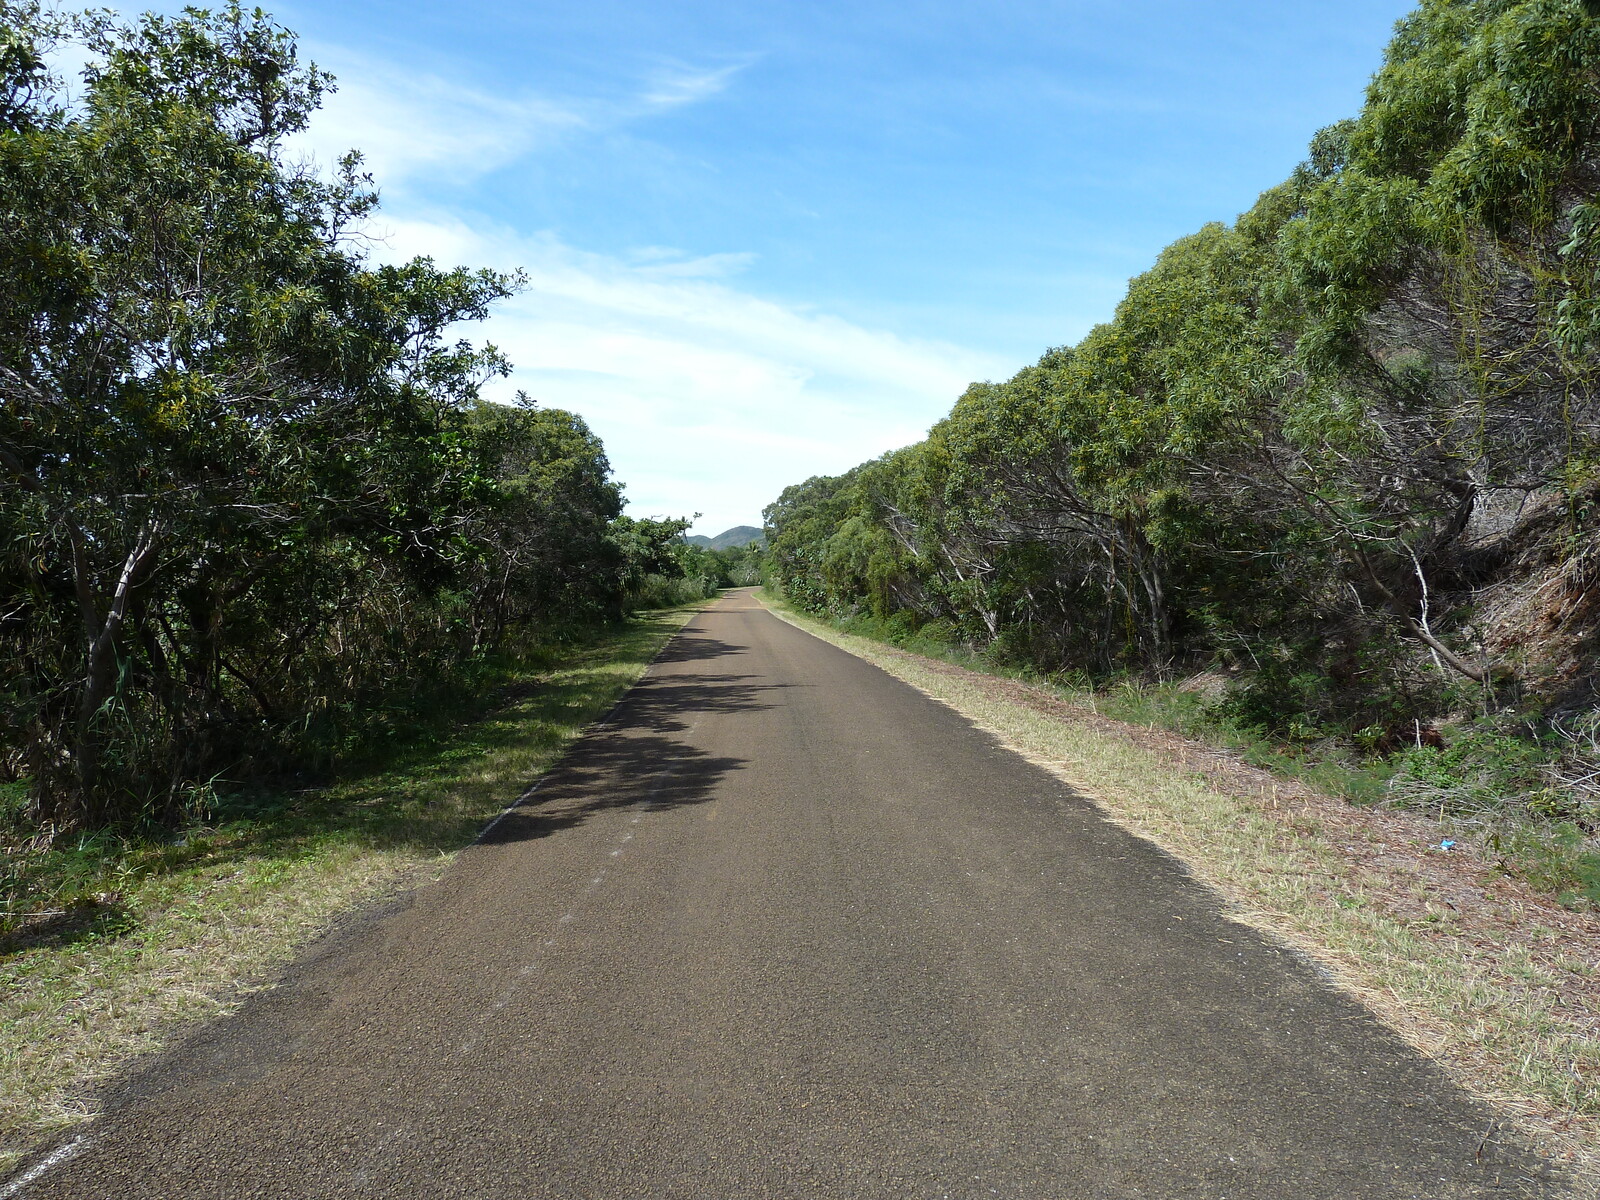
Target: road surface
785,927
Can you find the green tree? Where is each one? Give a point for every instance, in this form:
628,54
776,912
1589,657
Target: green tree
228,442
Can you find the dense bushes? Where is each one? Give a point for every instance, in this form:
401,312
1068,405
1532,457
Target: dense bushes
1345,448
248,486
686,573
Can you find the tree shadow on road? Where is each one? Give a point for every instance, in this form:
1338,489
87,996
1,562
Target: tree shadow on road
670,703
693,645
639,757
431,791
452,763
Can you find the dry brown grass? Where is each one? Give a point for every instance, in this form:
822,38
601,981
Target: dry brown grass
1496,982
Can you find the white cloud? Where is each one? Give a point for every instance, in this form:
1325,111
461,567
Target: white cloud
686,85
409,123
709,398
658,260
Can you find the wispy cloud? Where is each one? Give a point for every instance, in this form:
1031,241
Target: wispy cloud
664,261
709,398
679,84
407,124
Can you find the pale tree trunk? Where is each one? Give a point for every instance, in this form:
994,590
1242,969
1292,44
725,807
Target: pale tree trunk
102,620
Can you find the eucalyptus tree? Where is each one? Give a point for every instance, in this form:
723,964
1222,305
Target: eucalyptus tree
1444,265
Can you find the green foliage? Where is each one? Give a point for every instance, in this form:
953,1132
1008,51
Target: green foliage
250,493
1291,424
1505,767
1558,859
1351,684
1318,447
1481,771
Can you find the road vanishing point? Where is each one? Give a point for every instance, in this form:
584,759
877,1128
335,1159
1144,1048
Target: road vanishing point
783,926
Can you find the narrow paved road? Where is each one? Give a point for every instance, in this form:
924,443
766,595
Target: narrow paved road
784,927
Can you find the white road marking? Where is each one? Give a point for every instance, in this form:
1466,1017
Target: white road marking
504,813
502,1001
71,1150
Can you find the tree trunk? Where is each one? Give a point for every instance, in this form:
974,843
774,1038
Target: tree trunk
102,630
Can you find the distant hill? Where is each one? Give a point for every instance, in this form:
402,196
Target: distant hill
728,539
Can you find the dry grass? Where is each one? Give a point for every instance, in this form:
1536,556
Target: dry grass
1496,982
238,902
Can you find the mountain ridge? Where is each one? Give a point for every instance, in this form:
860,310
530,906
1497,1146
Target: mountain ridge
729,539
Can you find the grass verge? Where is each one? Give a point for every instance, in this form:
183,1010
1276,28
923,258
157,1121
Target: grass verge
168,931
1525,790
1498,983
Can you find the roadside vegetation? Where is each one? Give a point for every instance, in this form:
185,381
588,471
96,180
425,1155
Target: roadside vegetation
130,934
287,610
695,572
1328,484
250,496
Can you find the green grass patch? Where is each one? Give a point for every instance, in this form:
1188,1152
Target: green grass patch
108,942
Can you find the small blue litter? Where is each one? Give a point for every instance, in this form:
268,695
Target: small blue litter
1447,844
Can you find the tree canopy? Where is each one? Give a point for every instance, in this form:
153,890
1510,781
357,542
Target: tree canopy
248,481
1331,435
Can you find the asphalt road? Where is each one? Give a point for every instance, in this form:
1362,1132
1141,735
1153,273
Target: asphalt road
784,927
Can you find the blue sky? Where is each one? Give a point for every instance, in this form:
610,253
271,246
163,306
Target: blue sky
766,241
